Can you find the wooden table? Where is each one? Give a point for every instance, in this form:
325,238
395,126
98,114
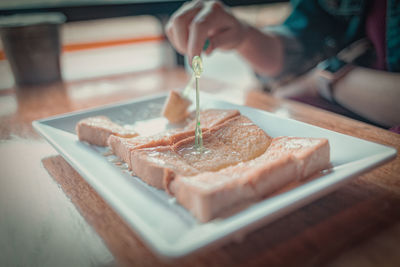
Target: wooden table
357,225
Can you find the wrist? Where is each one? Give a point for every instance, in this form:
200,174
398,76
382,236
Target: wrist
245,43
330,72
263,50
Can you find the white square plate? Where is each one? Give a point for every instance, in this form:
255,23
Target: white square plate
163,224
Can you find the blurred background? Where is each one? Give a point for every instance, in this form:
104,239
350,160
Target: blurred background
105,38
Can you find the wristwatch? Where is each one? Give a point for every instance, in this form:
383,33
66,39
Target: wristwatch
329,72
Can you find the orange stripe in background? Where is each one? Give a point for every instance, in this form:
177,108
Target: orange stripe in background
102,44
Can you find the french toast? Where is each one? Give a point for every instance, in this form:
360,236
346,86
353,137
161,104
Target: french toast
122,147
175,107
96,130
207,194
239,162
210,118
234,141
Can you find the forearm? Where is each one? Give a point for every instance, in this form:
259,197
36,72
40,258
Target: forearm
263,51
372,94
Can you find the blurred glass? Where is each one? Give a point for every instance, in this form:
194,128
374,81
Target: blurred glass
32,46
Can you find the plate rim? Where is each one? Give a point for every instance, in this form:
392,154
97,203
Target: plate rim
167,251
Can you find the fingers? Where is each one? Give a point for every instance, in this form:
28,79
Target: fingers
180,37
195,22
210,20
178,26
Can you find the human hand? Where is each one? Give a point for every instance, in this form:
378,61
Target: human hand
196,21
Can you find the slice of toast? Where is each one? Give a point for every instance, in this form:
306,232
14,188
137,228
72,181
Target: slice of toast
209,118
312,153
96,130
122,147
175,110
175,107
208,194
236,140
156,165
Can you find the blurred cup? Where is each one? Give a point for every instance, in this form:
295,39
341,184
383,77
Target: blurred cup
32,46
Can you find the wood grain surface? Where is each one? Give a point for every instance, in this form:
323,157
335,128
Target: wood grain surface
357,225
